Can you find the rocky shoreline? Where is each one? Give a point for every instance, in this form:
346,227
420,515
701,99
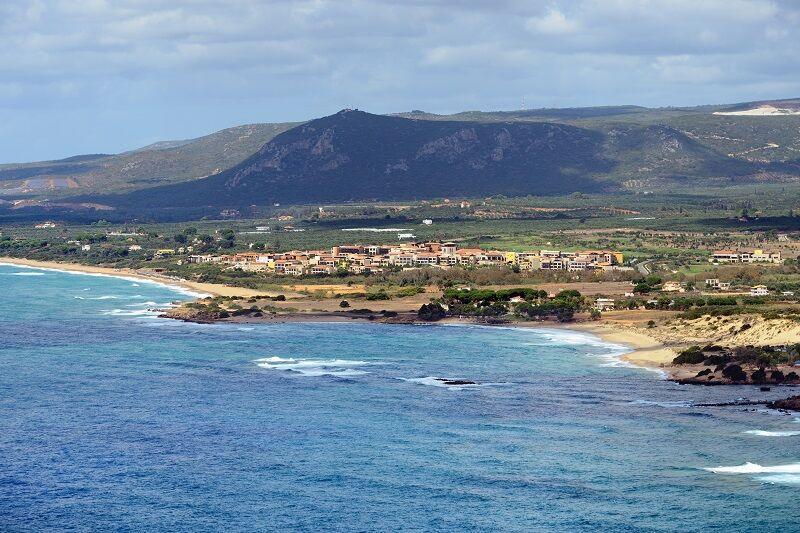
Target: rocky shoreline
209,314
744,365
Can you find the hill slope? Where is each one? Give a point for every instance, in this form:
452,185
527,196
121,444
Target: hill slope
156,164
354,155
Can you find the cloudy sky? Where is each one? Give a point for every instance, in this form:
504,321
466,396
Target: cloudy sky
84,76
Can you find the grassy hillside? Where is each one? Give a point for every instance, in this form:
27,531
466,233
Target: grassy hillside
156,164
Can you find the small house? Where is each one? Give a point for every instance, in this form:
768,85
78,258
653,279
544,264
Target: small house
759,290
604,304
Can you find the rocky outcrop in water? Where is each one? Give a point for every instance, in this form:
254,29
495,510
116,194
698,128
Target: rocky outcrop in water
791,403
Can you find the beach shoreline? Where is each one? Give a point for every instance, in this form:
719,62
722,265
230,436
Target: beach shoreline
646,351
194,288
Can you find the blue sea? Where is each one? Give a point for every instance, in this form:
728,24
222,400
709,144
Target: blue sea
114,419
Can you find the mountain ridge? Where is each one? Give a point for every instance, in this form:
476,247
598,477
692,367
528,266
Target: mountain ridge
353,155
417,155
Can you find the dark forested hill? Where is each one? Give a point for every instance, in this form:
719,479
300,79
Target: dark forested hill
354,155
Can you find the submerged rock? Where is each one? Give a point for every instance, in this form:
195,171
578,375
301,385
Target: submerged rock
456,381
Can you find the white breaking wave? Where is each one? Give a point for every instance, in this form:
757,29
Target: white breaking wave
315,367
763,433
146,304
610,359
433,381
753,468
550,336
579,338
131,312
26,274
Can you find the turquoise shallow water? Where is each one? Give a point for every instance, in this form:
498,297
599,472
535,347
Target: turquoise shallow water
111,418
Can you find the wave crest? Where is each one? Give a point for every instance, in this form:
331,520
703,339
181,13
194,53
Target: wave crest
763,433
449,384
754,468
315,367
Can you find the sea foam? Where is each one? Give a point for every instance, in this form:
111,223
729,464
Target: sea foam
433,381
549,336
132,312
753,468
763,433
314,367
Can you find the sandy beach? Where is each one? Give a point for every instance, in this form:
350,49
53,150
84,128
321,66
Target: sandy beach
203,289
648,351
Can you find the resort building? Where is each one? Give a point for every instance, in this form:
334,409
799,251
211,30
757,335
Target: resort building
604,304
756,256
358,259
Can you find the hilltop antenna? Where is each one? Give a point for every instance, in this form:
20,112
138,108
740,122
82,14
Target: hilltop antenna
523,103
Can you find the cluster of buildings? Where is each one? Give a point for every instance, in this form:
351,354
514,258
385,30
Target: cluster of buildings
358,259
609,304
756,290
736,256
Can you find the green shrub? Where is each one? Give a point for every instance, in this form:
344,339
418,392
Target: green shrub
690,356
431,312
380,294
759,376
734,373
409,291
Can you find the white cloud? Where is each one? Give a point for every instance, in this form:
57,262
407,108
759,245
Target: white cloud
554,22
